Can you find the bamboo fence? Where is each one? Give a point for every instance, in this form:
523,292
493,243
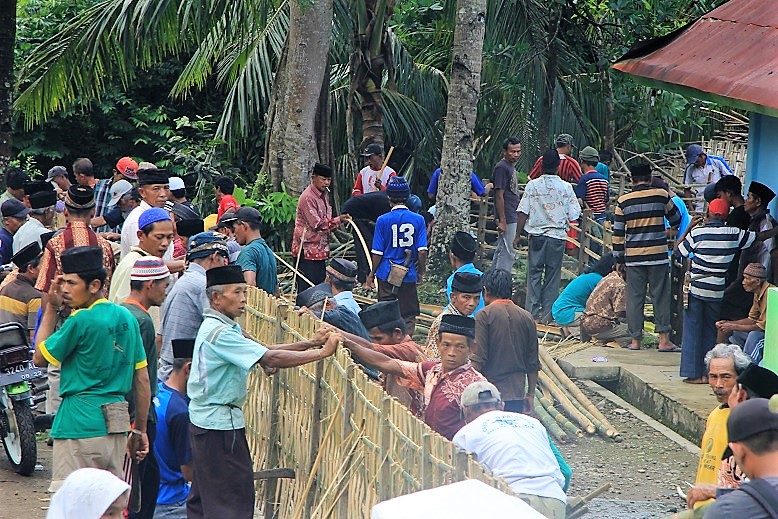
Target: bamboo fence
349,444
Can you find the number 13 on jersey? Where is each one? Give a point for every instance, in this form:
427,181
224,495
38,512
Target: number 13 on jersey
402,235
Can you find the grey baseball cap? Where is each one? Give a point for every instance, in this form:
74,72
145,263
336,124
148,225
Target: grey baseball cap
481,392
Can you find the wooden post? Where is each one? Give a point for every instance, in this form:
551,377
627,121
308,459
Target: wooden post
583,240
347,408
315,426
273,437
426,462
385,449
483,209
459,460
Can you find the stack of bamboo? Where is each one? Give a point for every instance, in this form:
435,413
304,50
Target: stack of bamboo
578,414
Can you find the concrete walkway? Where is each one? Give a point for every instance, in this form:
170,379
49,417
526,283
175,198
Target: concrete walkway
648,380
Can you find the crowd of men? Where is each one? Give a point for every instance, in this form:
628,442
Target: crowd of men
132,303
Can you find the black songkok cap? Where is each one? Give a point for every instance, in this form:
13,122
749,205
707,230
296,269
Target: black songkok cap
228,275
759,380
46,236
189,227
322,170
641,170
467,283
550,161
750,418
457,324
26,254
30,188
81,259
43,199
183,348
764,193
80,197
304,297
183,212
379,313
464,246
344,270
16,178
147,177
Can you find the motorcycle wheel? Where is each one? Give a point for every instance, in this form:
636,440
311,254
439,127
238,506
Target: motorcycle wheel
19,442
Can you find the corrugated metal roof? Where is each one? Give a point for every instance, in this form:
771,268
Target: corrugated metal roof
729,55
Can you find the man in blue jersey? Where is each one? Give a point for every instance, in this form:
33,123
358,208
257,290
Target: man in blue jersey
476,186
399,246
171,445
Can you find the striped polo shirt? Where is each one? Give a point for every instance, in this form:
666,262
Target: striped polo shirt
714,246
593,189
639,226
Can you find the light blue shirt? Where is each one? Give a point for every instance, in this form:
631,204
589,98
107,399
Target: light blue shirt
470,269
221,362
347,301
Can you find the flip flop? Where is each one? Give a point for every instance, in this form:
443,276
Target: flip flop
675,349
633,349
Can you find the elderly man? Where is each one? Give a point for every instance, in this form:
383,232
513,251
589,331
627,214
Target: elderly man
312,226
102,358
515,447
725,362
748,332
58,178
753,437
461,254
640,242
123,199
465,298
545,210
442,380
506,349
42,200
569,169
182,312
153,189
223,483
372,178
126,169
342,276
702,169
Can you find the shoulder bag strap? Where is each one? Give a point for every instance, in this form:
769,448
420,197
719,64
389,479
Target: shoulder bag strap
765,494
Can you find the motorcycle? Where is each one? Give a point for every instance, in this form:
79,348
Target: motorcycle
17,401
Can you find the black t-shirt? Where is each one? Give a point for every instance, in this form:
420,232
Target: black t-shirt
739,218
504,177
367,207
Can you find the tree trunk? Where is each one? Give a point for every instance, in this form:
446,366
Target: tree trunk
453,199
7,42
547,103
292,144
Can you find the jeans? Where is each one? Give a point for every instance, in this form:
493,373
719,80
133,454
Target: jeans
658,279
699,335
544,271
504,255
750,342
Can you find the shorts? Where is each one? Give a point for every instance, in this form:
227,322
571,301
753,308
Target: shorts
101,452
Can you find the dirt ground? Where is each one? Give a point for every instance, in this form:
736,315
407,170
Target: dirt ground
25,496
643,469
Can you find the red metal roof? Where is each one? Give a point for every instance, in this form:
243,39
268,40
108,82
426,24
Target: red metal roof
730,55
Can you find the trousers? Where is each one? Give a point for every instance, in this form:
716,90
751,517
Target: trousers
544,271
699,335
504,255
148,470
657,277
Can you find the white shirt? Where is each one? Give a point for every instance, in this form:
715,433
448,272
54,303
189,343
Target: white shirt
130,232
710,173
550,204
516,448
367,177
29,232
347,301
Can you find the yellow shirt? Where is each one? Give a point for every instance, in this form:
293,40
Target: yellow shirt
714,443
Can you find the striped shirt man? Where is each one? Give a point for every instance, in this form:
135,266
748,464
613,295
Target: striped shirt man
569,169
714,246
593,190
639,227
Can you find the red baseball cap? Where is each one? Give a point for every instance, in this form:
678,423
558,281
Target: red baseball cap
128,168
719,207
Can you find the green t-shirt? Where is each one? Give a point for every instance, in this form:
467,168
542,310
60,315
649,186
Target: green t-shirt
257,257
99,349
149,338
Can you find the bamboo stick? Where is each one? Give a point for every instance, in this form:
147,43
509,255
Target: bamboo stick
548,405
297,263
549,423
566,404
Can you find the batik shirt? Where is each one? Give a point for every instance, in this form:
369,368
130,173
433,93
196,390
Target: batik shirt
550,204
442,392
410,352
607,302
314,215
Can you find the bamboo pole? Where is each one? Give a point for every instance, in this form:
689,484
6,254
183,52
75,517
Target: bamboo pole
549,423
297,263
566,404
561,419
294,270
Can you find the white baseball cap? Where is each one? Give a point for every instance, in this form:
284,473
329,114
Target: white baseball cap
118,190
176,183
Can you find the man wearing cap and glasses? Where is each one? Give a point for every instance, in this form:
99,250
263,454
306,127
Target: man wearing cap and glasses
154,192
58,177
102,358
43,201
255,258
182,312
19,299
514,446
465,298
313,223
704,169
14,215
370,178
569,169
171,445
223,483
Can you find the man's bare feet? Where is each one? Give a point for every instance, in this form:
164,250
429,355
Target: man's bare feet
634,345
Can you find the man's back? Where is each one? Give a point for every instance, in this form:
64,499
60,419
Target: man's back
258,257
639,225
368,206
549,203
516,448
397,231
739,503
171,445
506,347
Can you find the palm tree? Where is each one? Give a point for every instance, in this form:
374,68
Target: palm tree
7,42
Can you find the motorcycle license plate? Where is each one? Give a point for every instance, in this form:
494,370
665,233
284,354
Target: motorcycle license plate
20,373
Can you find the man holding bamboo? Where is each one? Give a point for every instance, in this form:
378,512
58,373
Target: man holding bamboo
223,483
312,226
